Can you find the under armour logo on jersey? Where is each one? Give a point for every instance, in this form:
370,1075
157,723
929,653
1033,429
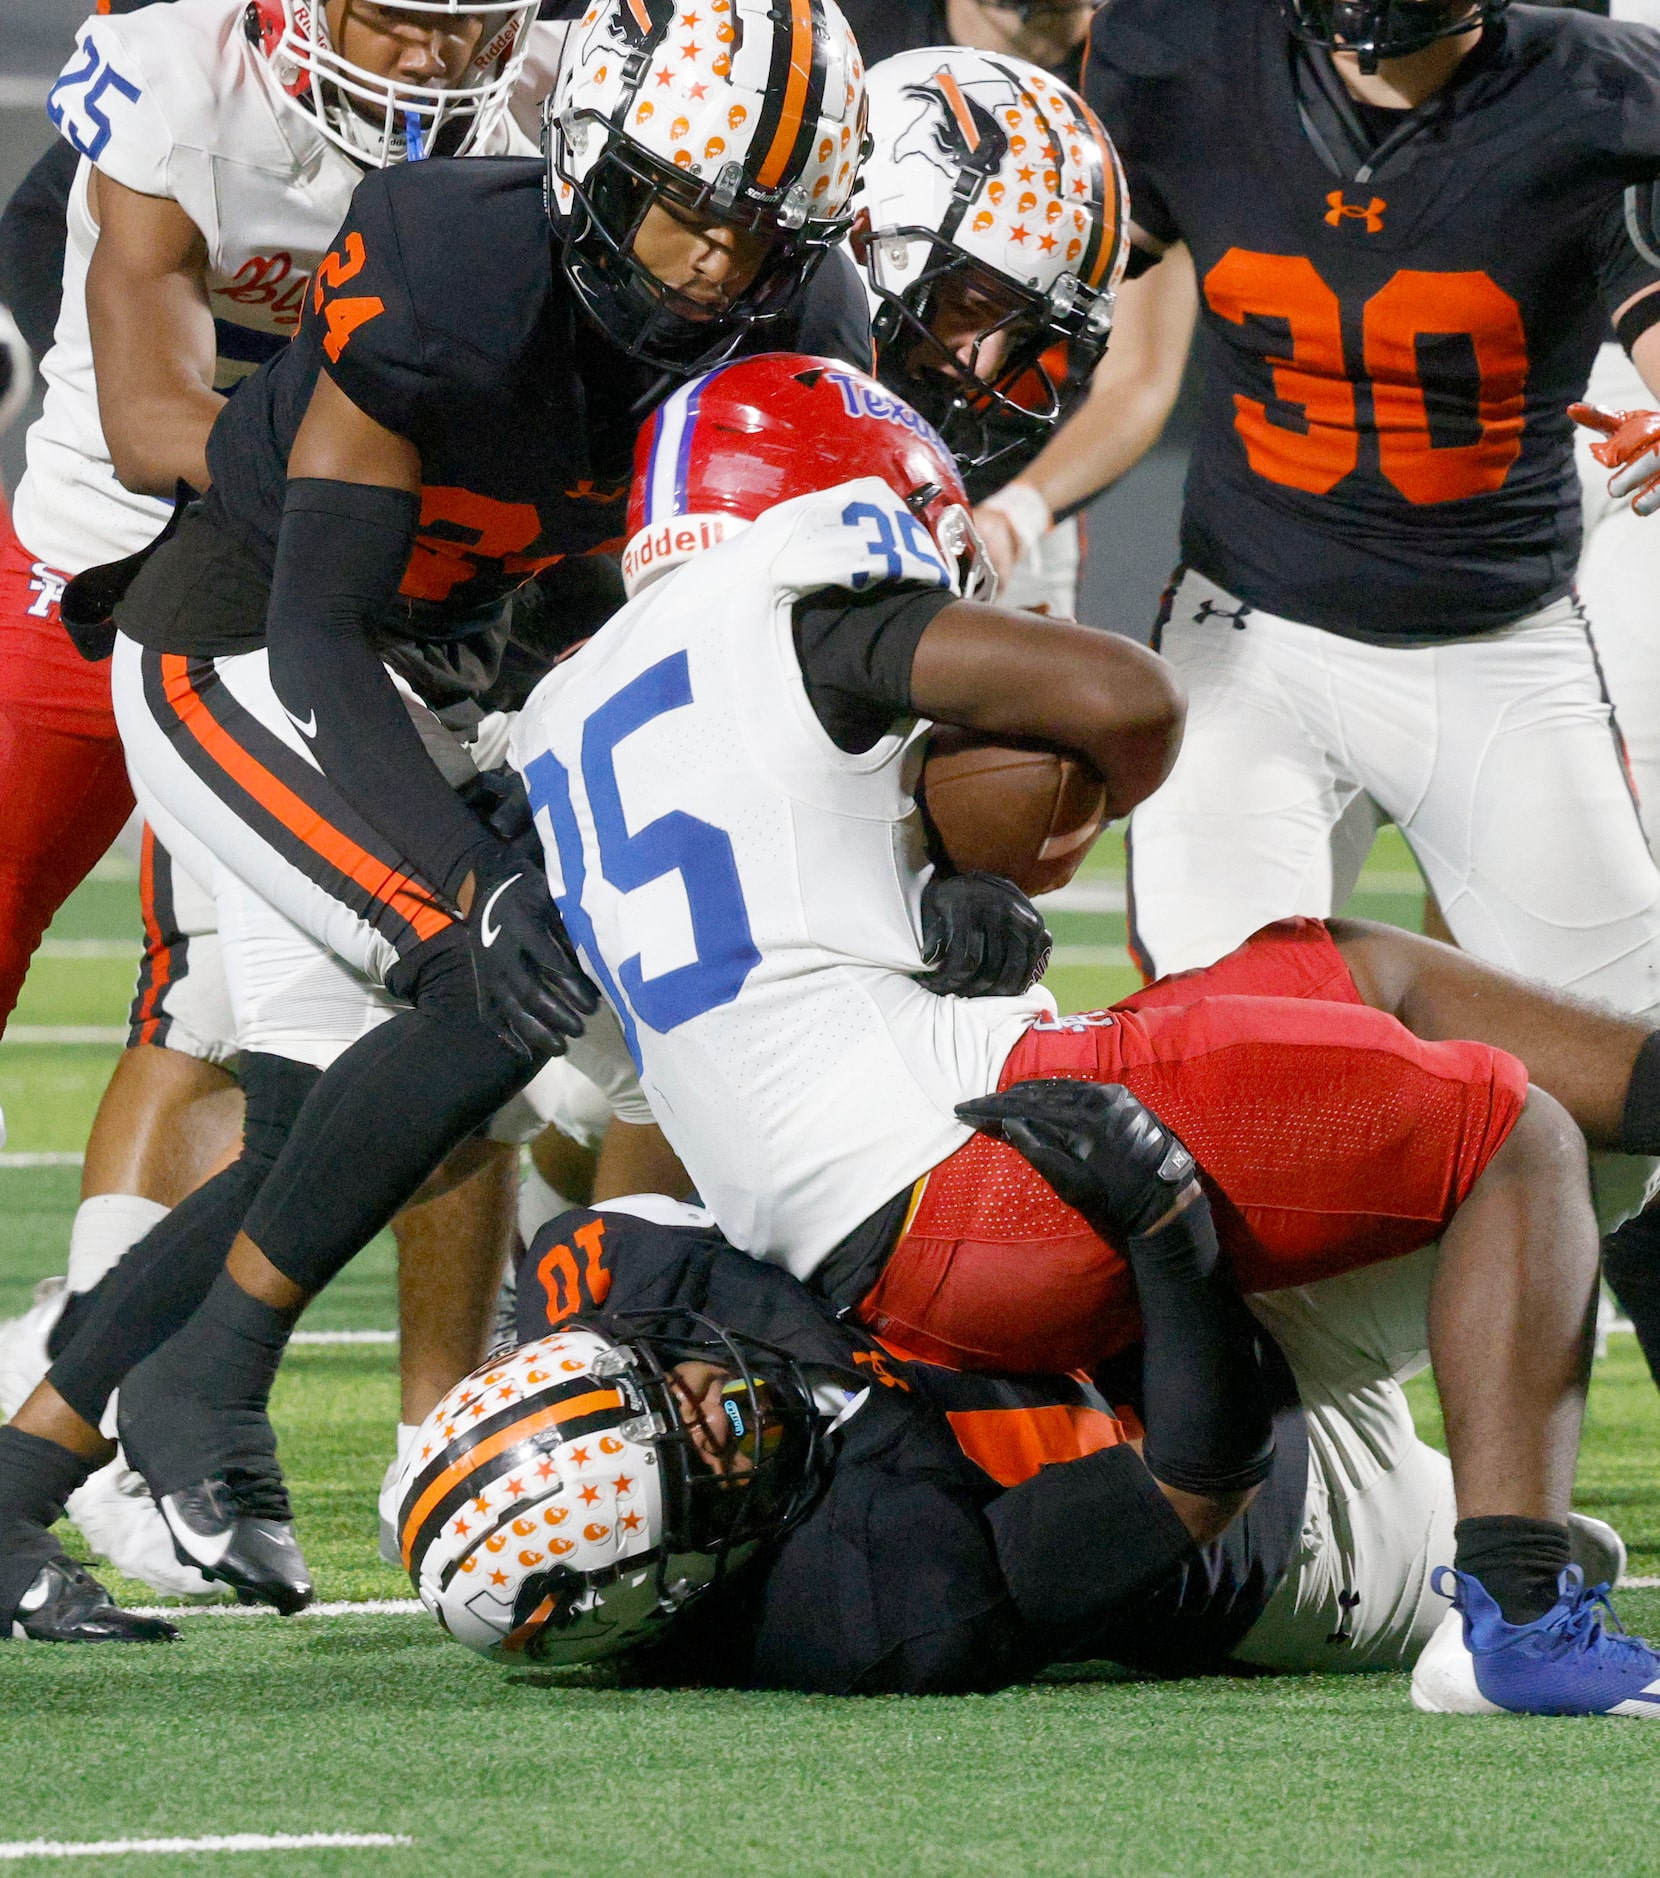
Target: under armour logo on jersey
1371,213
48,585
1235,616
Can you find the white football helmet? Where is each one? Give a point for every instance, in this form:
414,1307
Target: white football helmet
748,111
554,1508
988,176
378,121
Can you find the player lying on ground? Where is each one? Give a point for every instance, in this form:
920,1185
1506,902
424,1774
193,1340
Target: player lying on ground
885,1524
519,434
218,150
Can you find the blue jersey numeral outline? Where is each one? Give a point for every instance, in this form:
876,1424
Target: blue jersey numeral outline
108,79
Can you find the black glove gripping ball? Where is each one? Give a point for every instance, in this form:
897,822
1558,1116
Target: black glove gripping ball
982,937
1104,1152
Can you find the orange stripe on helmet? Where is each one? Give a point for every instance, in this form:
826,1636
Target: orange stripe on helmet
951,91
404,896
771,172
642,18
589,1403
1112,201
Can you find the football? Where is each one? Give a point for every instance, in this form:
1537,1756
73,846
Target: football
1022,810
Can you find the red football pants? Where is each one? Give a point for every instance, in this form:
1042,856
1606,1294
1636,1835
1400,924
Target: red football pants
1328,1137
63,780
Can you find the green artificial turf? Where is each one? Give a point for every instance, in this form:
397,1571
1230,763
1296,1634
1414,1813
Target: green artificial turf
359,1723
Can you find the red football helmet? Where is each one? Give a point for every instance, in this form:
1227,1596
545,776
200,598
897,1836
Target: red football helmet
741,439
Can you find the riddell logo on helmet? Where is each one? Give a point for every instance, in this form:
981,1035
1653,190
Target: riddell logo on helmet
656,549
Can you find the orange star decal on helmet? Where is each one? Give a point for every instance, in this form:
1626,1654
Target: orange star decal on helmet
589,1495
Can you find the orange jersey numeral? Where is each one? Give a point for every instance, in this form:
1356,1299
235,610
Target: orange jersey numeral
460,531
1317,445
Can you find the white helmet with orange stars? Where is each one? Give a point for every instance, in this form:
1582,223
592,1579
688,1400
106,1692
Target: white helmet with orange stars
992,185
749,112
555,1507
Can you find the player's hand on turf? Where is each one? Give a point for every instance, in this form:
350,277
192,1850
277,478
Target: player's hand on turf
531,990
1103,1151
981,937
1631,448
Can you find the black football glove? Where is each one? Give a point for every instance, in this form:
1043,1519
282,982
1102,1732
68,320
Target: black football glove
531,990
1104,1152
499,799
981,937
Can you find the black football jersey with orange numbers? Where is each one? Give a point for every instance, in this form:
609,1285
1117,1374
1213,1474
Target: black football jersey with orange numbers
970,1528
1397,307
442,312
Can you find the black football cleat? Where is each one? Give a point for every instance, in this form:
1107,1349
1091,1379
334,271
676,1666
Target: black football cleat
66,1604
238,1527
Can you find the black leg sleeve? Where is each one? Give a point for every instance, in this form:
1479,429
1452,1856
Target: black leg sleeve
378,1123
161,1281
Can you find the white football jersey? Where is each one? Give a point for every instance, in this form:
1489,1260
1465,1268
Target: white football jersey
748,895
174,101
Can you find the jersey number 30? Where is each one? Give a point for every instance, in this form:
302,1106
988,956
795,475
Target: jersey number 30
1314,444
676,843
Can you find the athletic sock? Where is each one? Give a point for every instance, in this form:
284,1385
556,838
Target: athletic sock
106,1229
1517,1561
36,1478
1631,1264
197,1408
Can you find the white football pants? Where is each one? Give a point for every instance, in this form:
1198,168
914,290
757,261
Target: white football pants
1495,756
1379,1514
1619,583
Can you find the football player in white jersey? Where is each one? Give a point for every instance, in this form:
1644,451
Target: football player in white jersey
992,233
724,783
219,146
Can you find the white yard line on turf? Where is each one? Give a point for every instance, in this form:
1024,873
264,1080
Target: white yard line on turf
21,1159
1090,955
228,1842
367,1607
88,949
344,1336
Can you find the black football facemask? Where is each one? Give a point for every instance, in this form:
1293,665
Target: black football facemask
636,312
993,421
773,1436
1375,30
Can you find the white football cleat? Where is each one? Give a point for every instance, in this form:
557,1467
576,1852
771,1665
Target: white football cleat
389,1515
122,1523
23,1358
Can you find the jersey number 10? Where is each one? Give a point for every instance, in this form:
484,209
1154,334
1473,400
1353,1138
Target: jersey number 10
1314,378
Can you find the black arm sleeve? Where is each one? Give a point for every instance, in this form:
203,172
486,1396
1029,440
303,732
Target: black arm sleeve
1209,1427
32,238
341,553
1082,1538
856,650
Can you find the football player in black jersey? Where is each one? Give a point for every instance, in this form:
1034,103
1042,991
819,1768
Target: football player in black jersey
1409,229
455,417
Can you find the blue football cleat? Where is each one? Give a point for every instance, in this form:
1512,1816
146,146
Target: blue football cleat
1575,1660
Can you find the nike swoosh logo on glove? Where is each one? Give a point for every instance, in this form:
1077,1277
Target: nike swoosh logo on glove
487,932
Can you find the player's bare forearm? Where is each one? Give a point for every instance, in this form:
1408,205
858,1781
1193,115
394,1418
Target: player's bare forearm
1134,388
1016,675
152,339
